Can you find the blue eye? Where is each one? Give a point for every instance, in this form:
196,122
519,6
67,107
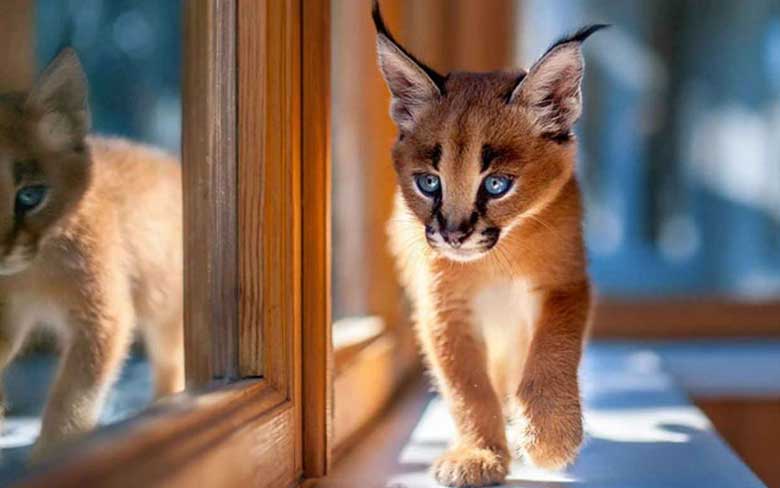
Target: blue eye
497,186
29,197
428,183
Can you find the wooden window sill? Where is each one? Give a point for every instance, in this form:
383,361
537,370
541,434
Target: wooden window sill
351,336
184,440
642,431
369,365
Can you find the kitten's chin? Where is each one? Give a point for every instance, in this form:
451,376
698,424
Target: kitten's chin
461,255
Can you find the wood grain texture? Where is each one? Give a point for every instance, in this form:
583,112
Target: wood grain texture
316,277
209,179
17,47
685,318
269,91
269,193
234,436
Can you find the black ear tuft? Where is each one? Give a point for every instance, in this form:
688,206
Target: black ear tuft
579,36
551,90
379,22
414,87
381,29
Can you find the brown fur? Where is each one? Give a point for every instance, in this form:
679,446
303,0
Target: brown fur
100,255
501,327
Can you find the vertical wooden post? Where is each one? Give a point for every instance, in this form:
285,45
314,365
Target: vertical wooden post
461,35
316,218
210,206
481,34
269,186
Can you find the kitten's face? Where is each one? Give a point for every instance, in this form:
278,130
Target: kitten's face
472,167
44,166
478,152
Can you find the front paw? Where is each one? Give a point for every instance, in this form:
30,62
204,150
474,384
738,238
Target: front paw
549,433
471,466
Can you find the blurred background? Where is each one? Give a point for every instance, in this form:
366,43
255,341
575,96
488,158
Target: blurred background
131,52
680,165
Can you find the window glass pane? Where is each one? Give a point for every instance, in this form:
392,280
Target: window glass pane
104,276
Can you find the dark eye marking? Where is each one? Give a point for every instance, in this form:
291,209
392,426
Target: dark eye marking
25,170
433,155
489,154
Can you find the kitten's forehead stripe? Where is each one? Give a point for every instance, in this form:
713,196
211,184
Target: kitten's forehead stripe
461,130
435,156
487,157
25,170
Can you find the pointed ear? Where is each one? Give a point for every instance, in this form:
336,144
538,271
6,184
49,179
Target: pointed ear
59,100
413,85
551,89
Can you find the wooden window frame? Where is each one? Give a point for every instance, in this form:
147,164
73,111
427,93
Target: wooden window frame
256,125
685,318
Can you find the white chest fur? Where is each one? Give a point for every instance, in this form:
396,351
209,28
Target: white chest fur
506,305
505,314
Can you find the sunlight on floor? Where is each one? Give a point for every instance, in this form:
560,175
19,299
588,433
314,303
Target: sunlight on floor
641,431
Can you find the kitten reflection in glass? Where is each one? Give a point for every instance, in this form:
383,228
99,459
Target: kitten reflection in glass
90,247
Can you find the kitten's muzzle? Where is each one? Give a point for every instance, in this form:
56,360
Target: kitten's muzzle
453,235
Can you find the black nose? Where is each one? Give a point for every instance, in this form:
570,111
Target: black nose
455,236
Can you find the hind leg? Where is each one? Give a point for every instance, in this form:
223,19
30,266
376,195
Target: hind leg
165,349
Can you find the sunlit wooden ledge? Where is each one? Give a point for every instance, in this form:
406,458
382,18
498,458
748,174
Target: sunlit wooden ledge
642,431
370,364
188,440
353,334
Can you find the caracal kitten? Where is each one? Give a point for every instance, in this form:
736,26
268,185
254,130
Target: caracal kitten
487,236
90,245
